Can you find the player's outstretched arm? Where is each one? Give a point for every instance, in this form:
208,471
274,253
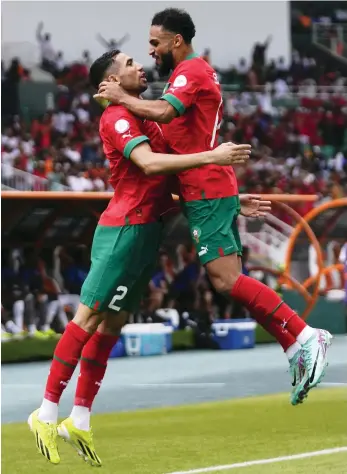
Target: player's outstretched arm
156,110
151,163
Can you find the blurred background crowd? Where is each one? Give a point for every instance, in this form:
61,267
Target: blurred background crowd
40,291
294,115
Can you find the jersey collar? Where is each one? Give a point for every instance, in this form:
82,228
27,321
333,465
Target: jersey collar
192,56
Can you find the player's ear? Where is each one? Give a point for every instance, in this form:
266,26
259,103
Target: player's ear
113,78
177,41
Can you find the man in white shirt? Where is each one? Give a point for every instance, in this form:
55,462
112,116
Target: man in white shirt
62,121
48,54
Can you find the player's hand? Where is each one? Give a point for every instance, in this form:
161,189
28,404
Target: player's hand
230,154
110,91
253,206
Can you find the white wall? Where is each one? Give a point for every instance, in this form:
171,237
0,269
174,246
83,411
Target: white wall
228,28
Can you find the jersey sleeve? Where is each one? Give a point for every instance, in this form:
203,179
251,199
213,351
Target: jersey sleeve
124,132
183,91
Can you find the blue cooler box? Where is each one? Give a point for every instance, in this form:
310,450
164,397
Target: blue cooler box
118,349
234,333
147,339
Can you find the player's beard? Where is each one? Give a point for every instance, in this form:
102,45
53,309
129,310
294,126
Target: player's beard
167,64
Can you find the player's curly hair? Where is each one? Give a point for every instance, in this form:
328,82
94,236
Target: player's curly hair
99,67
177,21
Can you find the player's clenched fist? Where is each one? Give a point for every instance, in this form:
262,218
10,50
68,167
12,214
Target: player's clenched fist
231,154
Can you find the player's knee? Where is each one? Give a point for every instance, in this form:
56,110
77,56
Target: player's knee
223,274
224,284
113,322
87,318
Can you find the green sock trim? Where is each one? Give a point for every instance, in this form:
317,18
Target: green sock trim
93,362
269,316
63,362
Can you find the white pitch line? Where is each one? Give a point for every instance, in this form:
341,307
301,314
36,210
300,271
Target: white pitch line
179,385
333,384
264,461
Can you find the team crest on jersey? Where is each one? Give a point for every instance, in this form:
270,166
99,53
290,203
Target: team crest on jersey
180,81
122,126
196,234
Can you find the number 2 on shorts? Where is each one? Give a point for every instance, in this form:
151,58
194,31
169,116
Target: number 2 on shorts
122,290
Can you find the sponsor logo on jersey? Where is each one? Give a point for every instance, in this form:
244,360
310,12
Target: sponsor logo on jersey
127,135
122,126
203,251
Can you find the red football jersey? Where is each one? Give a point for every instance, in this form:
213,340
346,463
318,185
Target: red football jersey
194,91
137,199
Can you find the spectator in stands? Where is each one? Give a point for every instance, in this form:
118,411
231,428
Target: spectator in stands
60,66
23,295
10,89
76,269
184,286
259,53
86,59
48,54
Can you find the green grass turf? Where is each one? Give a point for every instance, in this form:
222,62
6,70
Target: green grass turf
181,438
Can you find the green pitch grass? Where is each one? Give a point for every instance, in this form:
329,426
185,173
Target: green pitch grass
190,437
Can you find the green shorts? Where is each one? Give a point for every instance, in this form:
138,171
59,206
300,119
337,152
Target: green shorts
213,227
123,261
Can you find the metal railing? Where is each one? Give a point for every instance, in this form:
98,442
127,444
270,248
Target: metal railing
18,180
309,89
331,37
269,241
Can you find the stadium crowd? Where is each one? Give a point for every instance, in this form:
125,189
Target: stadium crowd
299,144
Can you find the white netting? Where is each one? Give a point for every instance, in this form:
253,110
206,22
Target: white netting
28,53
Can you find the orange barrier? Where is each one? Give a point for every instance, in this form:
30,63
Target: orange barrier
337,266
108,195
286,274
55,195
308,218
303,224
287,278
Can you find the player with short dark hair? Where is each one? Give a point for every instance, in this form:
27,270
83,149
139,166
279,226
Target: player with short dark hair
190,110
124,253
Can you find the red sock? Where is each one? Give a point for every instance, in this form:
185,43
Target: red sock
268,309
281,335
93,367
65,360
